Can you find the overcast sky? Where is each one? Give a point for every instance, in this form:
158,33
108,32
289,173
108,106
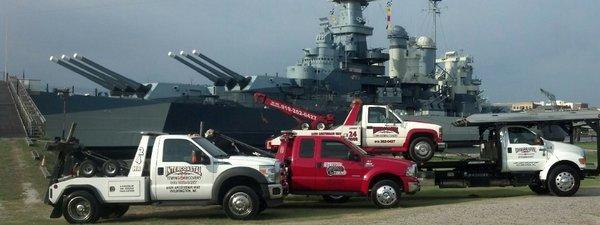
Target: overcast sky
518,46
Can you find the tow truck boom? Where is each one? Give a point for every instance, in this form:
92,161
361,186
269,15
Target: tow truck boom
319,122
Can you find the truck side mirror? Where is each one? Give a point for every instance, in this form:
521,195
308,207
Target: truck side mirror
538,140
353,157
198,158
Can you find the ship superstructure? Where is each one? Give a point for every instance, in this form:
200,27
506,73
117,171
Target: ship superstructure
340,67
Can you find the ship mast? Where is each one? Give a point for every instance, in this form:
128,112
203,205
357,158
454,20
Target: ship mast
435,11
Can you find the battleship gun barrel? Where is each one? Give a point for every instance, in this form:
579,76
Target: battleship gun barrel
91,77
129,82
98,74
214,78
229,72
231,82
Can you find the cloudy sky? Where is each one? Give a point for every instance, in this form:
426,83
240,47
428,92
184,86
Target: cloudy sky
518,46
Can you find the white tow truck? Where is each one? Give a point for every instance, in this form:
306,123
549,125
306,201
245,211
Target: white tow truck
174,170
375,128
513,155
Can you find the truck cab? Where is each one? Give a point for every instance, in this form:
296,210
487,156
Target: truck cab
337,169
178,170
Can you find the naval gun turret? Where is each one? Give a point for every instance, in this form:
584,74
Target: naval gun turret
215,72
117,84
63,61
241,80
132,85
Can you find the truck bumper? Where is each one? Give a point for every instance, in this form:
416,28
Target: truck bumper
411,185
441,146
273,194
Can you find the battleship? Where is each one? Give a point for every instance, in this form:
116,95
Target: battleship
340,67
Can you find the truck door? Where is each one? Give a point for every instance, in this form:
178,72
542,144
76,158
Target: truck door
303,167
381,128
176,177
523,150
336,171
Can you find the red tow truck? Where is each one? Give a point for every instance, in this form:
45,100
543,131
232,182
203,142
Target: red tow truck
335,168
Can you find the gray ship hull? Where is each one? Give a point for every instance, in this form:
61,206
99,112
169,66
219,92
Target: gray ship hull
115,123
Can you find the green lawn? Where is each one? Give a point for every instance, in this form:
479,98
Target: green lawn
17,167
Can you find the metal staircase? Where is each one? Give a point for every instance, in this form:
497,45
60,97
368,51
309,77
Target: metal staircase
31,117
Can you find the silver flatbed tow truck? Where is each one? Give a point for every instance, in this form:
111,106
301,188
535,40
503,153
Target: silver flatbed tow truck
513,155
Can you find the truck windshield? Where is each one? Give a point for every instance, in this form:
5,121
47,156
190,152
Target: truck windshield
210,148
356,148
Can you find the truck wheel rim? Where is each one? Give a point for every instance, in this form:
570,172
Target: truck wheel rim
423,148
386,195
79,208
110,168
87,169
565,181
240,204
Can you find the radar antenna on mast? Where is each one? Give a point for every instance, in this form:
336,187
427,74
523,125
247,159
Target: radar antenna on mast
434,9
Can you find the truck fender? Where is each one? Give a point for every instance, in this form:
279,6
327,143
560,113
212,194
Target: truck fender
88,188
374,174
554,162
234,172
415,132
57,204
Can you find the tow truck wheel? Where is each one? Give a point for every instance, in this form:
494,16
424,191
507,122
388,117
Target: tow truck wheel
336,198
563,180
539,188
263,206
114,211
421,149
385,194
87,168
241,203
110,168
81,207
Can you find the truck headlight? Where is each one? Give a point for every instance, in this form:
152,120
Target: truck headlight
271,173
411,171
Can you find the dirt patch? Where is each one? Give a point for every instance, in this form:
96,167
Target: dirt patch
31,196
531,209
2,211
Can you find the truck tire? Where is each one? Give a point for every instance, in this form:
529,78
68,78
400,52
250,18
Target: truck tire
241,203
87,168
421,149
114,211
263,206
386,194
120,210
539,188
563,180
110,168
81,207
336,198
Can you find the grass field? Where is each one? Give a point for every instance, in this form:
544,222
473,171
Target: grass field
22,187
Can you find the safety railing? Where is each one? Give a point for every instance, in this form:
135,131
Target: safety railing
30,115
